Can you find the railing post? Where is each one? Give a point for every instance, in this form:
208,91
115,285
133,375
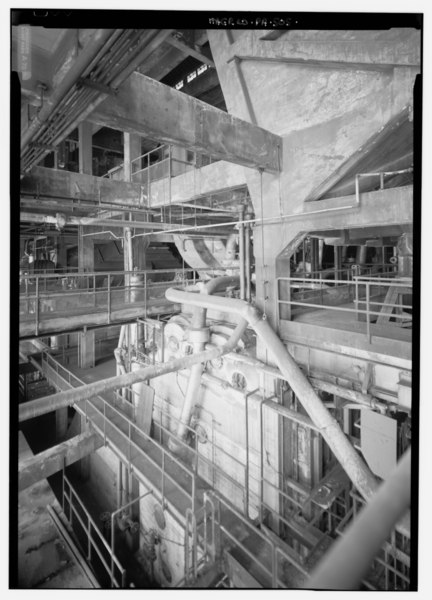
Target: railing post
169,179
145,294
37,305
163,479
148,179
89,540
112,549
356,301
109,299
274,567
367,312
193,492
129,448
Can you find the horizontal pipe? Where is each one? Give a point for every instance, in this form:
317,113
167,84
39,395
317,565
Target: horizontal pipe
351,462
350,559
41,406
320,384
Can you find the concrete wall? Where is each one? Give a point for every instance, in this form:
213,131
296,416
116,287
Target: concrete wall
323,114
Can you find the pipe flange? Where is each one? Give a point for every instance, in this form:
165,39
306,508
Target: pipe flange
199,336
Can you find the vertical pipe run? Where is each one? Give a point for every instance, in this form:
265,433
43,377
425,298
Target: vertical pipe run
242,253
198,335
337,262
248,262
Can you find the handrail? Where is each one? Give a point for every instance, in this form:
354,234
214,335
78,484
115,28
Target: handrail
358,282
275,550
128,437
109,410
47,297
87,529
177,270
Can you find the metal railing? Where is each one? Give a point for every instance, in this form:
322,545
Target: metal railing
95,539
127,440
101,292
373,297
133,446
267,560
390,569
381,175
340,276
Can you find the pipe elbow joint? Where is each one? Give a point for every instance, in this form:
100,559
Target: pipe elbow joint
251,313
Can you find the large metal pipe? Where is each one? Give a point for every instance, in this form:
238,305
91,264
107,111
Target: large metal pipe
242,254
320,384
351,462
248,262
41,406
350,558
198,335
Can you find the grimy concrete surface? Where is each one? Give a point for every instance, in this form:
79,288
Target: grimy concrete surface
43,558
324,113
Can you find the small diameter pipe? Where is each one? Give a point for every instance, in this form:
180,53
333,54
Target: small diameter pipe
349,560
41,406
99,39
351,462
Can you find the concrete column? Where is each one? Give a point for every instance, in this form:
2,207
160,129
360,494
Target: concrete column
314,247
86,339
85,136
61,253
86,349
61,423
132,149
337,261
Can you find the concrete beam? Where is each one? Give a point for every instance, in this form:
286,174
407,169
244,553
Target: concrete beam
371,54
55,324
392,206
190,51
65,184
156,111
43,465
212,179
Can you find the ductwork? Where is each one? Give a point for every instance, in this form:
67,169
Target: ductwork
329,428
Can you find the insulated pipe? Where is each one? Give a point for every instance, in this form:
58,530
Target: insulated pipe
322,385
230,247
198,335
41,406
98,40
350,558
248,262
242,253
350,461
